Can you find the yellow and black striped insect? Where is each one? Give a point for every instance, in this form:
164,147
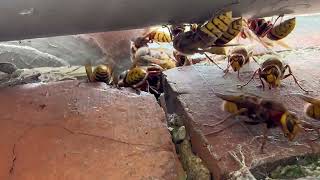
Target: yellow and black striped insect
312,108
260,110
272,71
219,45
237,58
101,73
133,77
217,25
261,28
191,42
232,32
142,78
258,28
159,36
152,35
282,30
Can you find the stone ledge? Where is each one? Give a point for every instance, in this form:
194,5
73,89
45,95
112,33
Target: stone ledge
190,94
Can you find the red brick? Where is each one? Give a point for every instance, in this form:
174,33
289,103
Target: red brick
61,131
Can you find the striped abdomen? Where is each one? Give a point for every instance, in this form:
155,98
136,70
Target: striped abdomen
102,73
282,30
160,36
217,25
233,30
135,75
167,63
313,111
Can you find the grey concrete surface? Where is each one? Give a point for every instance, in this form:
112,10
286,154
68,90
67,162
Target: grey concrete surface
50,52
112,47
22,19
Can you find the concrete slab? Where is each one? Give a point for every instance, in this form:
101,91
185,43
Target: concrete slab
190,94
64,131
37,19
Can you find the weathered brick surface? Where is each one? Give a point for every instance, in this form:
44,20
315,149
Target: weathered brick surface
61,131
191,95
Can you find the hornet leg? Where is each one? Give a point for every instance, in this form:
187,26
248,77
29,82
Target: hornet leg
264,140
220,122
294,78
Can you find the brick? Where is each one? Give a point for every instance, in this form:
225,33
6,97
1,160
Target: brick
64,131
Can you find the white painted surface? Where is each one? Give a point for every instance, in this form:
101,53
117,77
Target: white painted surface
21,19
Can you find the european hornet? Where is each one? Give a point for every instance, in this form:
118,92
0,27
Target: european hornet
272,71
237,58
312,108
262,28
151,35
142,78
259,110
101,73
158,34
233,30
192,42
221,28
154,35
